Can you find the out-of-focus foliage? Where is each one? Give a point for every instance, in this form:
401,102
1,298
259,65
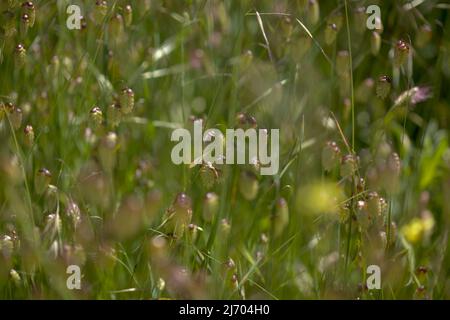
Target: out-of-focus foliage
85,171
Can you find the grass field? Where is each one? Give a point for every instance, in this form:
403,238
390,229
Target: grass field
86,176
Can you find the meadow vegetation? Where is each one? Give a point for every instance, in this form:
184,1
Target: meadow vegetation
86,176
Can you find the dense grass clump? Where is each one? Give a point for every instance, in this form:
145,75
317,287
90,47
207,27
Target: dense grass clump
86,176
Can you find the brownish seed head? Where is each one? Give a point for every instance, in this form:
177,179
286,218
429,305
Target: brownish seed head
44,172
96,110
28,4
183,200
28,129
402,46
20,48
384,79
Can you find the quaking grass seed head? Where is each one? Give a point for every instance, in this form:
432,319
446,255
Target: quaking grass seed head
128,15
25,24
107,150
100,11
248,185
114,114
8,23
374,205
343,63
127,100
375,43
246,59
116,28
313,12
300,45
348,165
423,35
330,155
179,215
208,175
286,26
29,135
96,116
29,8
383,87
210,206
401,53
16,118
330,33
20,55
42,180
281,217
13,3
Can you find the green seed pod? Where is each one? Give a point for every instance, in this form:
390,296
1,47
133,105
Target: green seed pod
24,24
9,24
393,232
246,60
286,27
245,121
330,155
360,19
13,3
128,15
127,100
391,174
313,12
114,114
15,277
336,19
6,246
106,151
16,118
29,9
365,90
362,214
348,165
116,28
29,135
343,63
375,43
330,33
210,206
248,185
281,217
83,23
179,215
21,55
401,53
208,175
74,213
2,110
230,264
192,232
300,46
42,180
374,206
361,185
224,228
424,35
100,11
96,116
383,87
51,198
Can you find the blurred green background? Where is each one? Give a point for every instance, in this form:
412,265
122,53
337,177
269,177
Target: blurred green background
85,171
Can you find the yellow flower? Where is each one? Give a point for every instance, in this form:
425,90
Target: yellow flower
417,228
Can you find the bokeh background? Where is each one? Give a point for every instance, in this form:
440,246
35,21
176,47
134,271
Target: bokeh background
86,177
